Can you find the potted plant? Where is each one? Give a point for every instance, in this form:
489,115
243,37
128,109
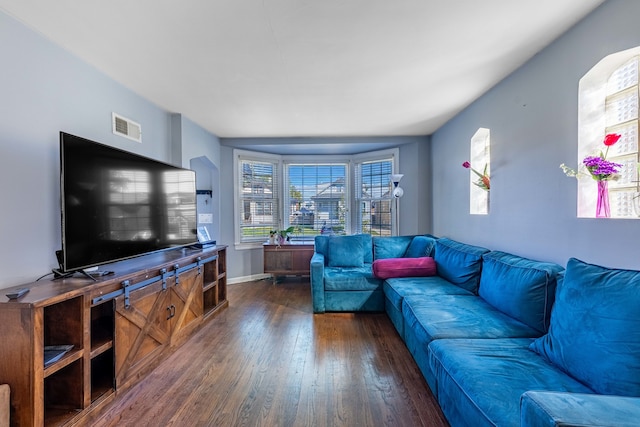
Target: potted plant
280,236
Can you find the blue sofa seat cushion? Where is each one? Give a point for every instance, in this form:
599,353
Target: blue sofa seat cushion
459,263
522,288
595,328
351,279
482,380
397,288
547,408
459,316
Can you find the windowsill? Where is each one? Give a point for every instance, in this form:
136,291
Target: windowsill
258,245
301,242
248,246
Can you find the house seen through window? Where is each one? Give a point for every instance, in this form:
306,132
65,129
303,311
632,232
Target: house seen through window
258,201
316,200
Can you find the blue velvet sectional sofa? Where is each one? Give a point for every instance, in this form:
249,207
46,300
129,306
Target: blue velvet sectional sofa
501,340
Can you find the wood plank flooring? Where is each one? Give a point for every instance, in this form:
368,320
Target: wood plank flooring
269,361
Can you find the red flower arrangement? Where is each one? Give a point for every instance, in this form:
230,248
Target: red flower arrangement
599,167
601,170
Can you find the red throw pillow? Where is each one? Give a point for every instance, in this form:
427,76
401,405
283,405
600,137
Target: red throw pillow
404,267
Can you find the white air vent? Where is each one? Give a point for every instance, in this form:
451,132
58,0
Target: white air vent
125,127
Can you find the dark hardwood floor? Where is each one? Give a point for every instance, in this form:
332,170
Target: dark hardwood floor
269,361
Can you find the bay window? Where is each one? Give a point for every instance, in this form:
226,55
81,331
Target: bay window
313,194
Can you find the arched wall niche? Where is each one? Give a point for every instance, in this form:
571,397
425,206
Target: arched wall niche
598,115
208,199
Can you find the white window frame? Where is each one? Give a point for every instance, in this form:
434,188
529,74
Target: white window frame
352,222
240,155
392,154
319,160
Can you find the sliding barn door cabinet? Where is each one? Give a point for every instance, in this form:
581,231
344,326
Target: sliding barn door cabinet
70,345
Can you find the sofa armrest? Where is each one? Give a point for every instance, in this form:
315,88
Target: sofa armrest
317,282
547,408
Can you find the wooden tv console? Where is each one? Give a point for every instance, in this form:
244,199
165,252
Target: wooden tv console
120,327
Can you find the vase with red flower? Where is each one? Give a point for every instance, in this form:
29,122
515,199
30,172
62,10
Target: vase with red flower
602,171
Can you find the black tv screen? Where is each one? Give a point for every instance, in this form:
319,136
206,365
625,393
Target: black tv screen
118,205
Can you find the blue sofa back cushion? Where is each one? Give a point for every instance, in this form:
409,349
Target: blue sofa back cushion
350,251
420,246
459,263
595,328
390,247
522,288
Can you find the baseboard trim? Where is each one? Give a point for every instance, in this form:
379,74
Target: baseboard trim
250,278
4,405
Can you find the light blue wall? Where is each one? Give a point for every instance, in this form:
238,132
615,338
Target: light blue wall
415,205
44,90
533,118
201,152
197,142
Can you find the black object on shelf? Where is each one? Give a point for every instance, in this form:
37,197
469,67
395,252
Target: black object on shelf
53,353
17,293
204,245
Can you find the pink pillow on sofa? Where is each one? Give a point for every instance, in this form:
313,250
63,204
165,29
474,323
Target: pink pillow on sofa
404,267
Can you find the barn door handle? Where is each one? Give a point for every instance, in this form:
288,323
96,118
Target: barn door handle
172,311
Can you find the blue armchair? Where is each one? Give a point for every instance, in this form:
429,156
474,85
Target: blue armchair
342,277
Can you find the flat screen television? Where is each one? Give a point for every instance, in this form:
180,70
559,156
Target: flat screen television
117,205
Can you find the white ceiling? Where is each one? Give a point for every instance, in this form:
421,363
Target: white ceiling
259,68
